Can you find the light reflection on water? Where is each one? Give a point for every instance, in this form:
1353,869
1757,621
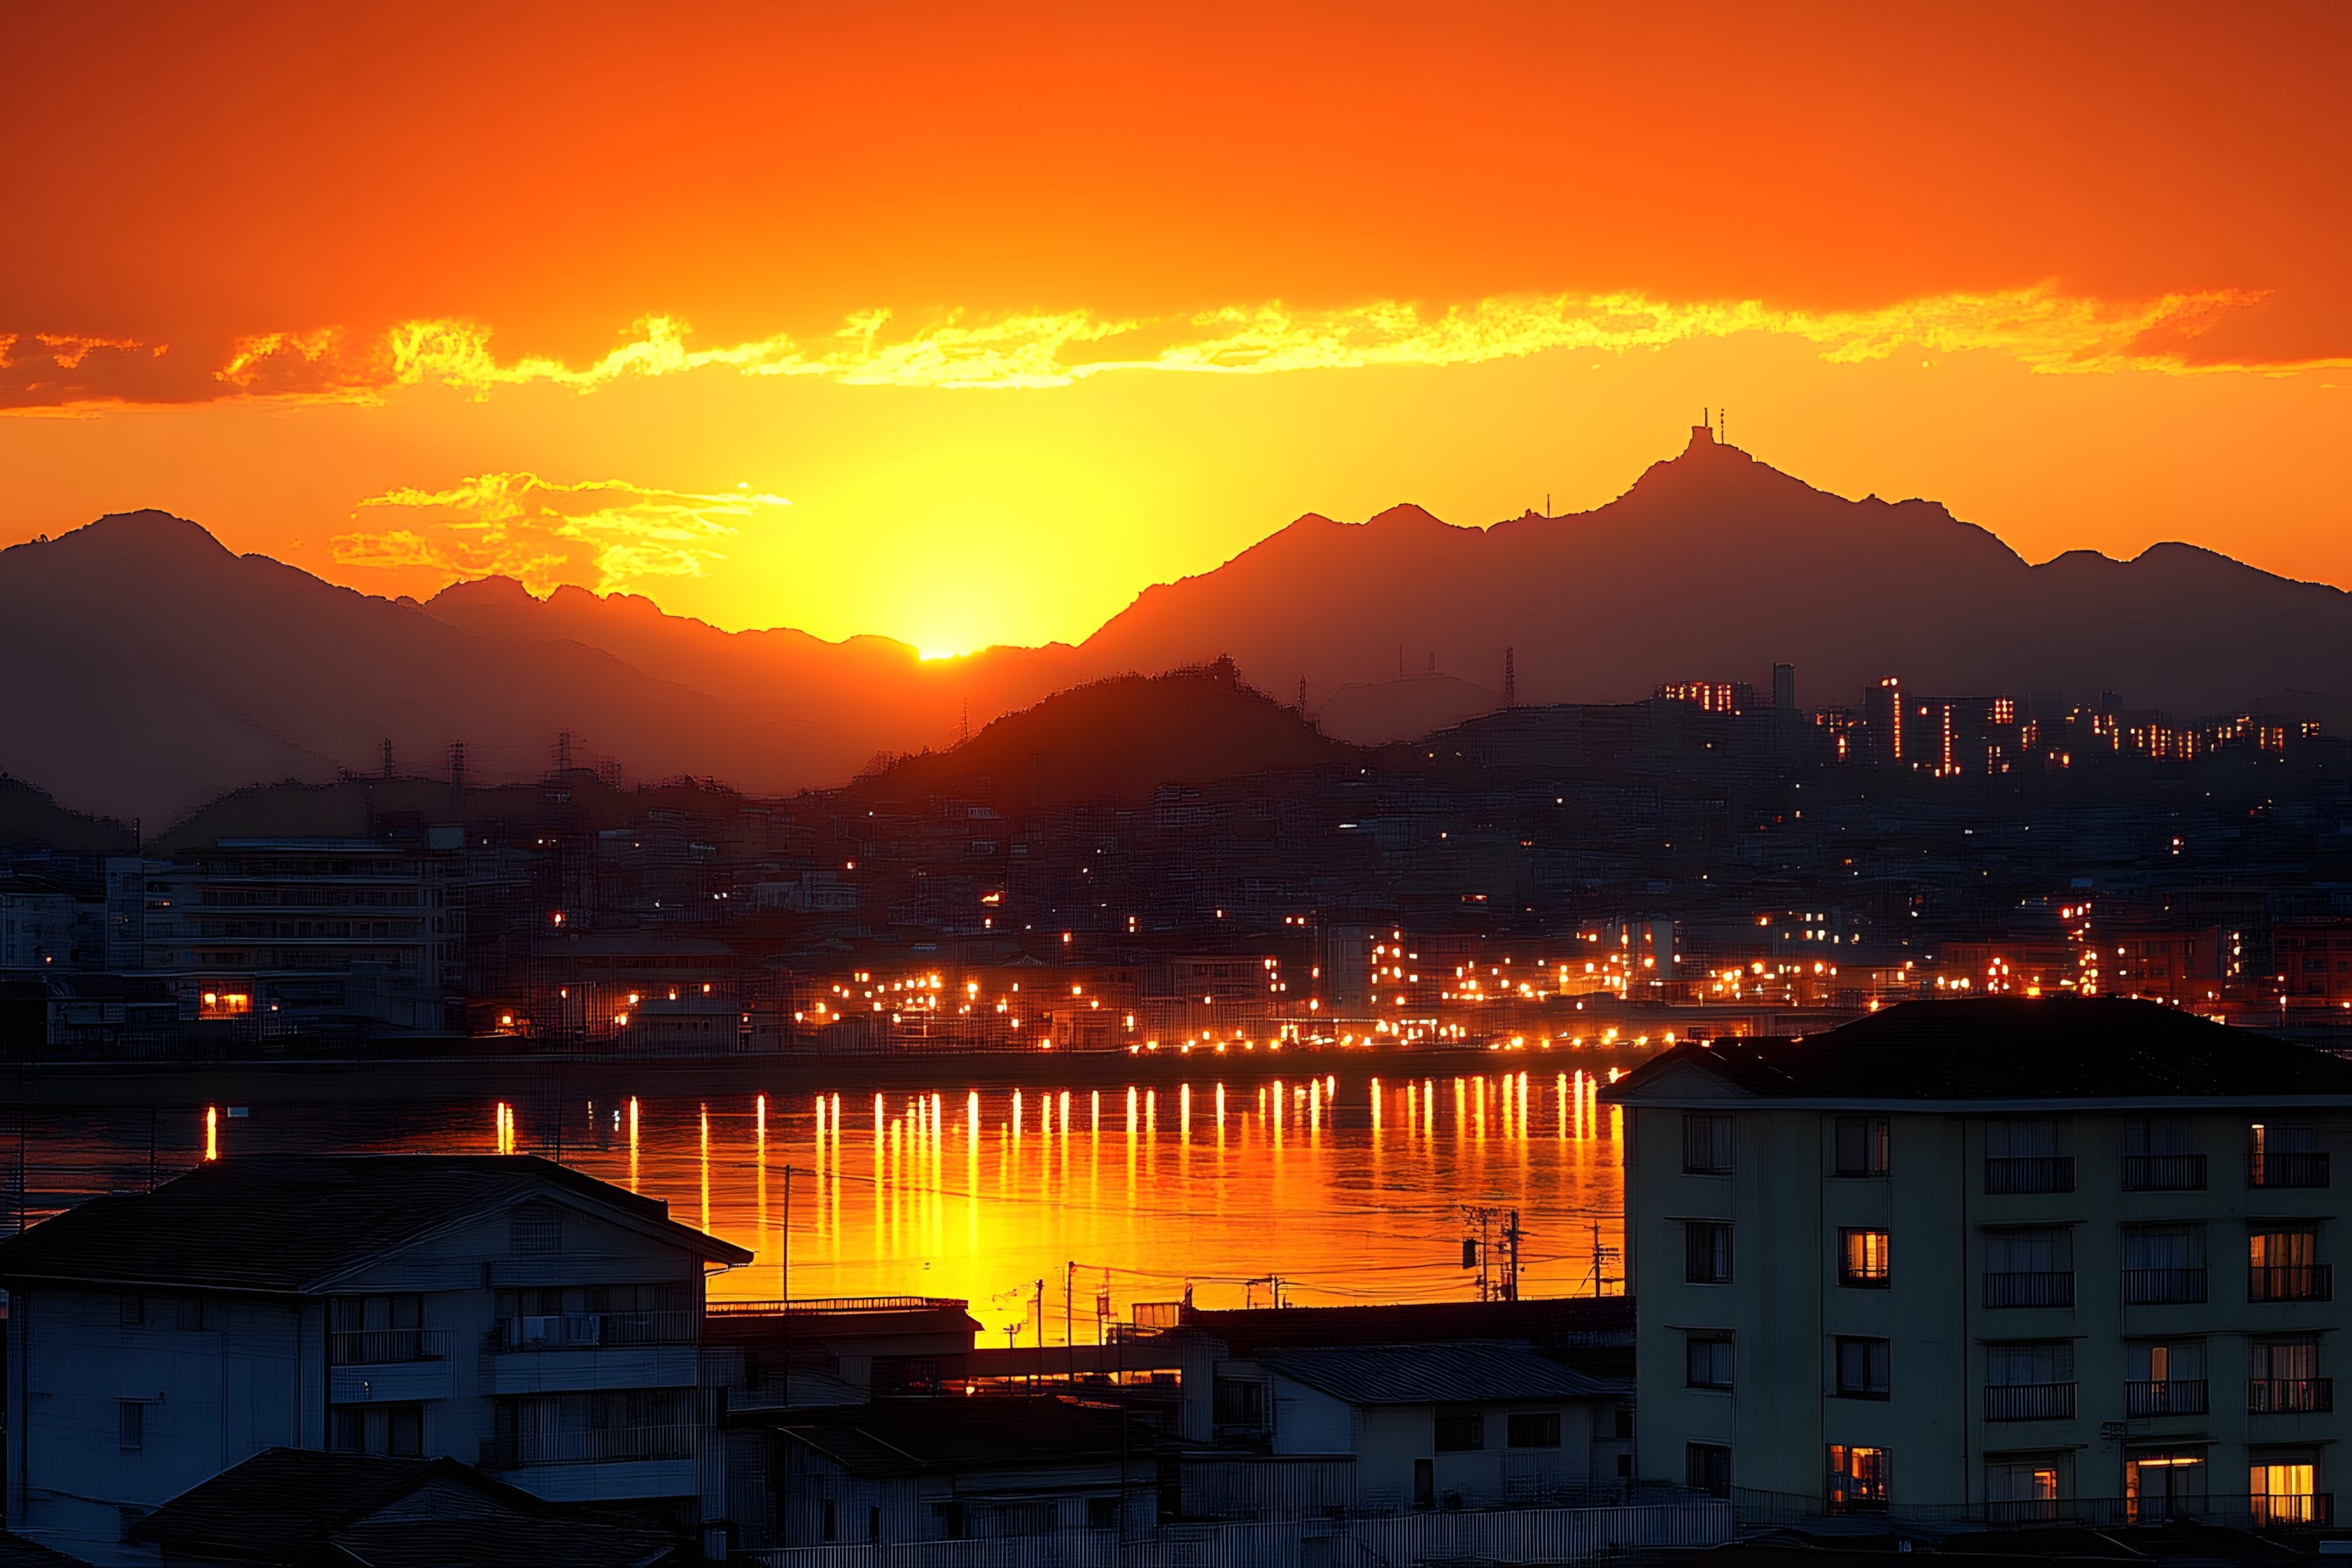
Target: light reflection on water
1349,1187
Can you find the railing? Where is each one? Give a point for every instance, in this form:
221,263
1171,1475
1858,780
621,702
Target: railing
2239,1511
2037,1288
2036,1173
2290,1282
2290,1169
2158,1287
2291,1395
799,1304
2167,1397
597,1330
588,1446
2164,1173
2029,1402
1862,1280
2284,1511
379,1347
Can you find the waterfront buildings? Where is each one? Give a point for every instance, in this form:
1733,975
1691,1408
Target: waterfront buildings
2004,1260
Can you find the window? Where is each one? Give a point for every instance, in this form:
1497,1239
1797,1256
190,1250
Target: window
2166,1379
1707,1252
188,1314
2163,1263
1861,1260
1707,1468
2018,1490
1707,1145
2033,1380
534,1228
2284,1492
2283,1266
1533,1429
2286,1378
2160,1156
2021,1156
1861,1146
1863,1368
132,1310
2030,1266
1240,1404
404,1431
129,1426
397,1430
1859,1478
1707,1360
364,1330
1461,1431
2285,1157
1102,1513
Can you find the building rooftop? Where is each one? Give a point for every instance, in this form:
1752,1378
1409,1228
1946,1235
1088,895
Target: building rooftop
291,1224
2057,1048
1464,1373
296,1505
935,1436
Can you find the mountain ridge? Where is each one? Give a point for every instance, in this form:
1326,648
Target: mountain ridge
171,668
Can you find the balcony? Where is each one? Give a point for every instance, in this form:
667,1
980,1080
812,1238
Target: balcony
596,1330
2166,1396
2030,1402
2164,1173
2162,1286
2050,1174
2291,1395
2286,1169
2281,1510
588,1446
385,1347
2035,1288
2290,1282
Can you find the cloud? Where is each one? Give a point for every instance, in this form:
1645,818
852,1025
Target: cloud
2039,327
607,533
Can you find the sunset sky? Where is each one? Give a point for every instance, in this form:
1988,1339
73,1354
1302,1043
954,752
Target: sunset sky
963,324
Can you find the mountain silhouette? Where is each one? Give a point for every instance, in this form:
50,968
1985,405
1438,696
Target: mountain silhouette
157,669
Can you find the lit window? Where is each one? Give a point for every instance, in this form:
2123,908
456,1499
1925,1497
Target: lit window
1862,1261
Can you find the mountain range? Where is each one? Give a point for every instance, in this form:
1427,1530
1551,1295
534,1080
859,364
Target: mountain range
155,669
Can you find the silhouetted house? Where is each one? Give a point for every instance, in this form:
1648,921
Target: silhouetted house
293,1508
897,1473
2007,1260
1384,1428
500,1309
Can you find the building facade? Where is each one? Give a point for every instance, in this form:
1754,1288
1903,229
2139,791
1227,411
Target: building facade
2001,1260
501,1310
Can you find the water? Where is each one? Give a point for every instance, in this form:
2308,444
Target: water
1346,1186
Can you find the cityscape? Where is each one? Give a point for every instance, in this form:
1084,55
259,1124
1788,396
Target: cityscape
815,940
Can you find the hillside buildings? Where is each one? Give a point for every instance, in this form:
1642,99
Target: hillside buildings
1994,1260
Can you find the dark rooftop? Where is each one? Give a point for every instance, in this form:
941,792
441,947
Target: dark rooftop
2050,1048
282,1224
930,1436
283,1504
1434,1373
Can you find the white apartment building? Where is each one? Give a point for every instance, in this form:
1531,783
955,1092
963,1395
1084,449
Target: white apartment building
1998,1260
502,1311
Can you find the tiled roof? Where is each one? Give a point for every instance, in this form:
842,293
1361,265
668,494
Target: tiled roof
2006,1049
15,1551
1434,1373
282,1224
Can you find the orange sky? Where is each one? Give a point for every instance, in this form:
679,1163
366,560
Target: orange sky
1019,308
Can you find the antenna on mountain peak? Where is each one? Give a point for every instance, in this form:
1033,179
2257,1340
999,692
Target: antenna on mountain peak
1510,677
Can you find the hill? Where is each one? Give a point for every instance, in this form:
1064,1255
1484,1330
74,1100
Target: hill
165,671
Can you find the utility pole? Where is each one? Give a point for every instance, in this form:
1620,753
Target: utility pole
387,756
1511,1278
784,1281
1069,1319
1039,1380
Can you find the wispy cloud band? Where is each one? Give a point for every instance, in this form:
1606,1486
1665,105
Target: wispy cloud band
541,532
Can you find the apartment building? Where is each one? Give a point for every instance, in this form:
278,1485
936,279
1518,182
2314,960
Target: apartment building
2003,1260
503,1310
